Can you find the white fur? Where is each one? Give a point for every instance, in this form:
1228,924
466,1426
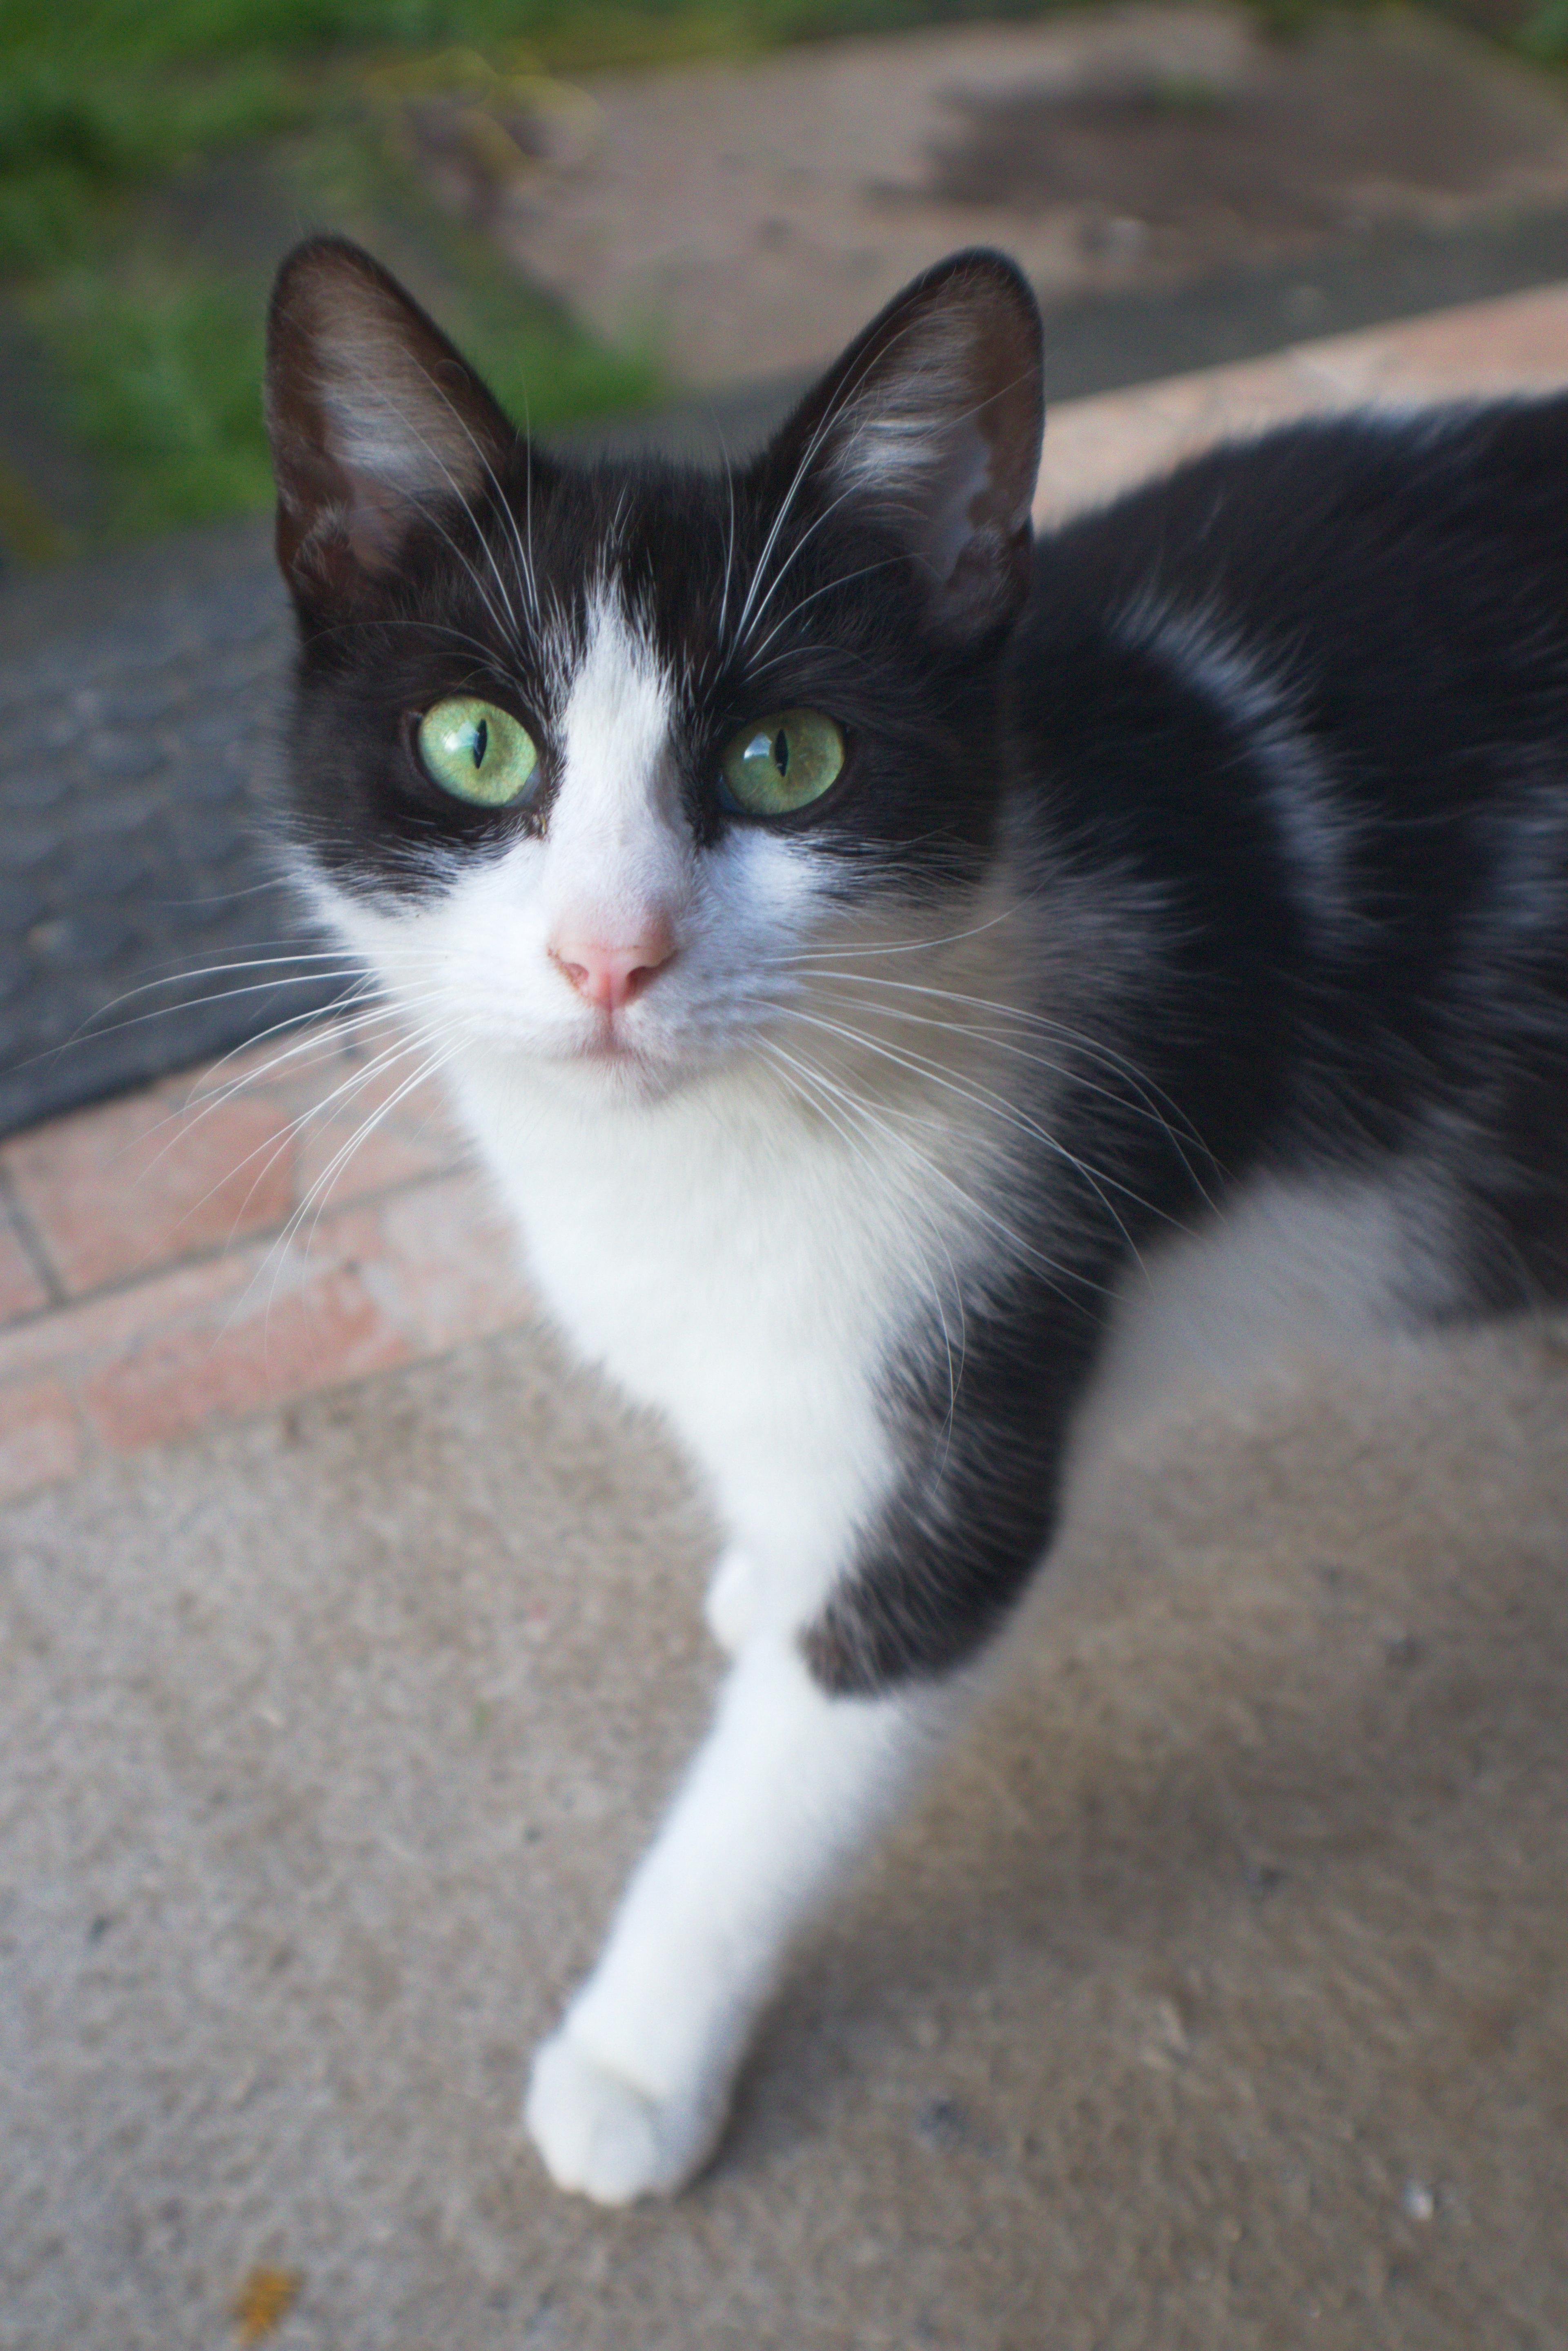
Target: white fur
616,846
1295,1269
737,1244
731,1259
734,1242
733,1600
630,2094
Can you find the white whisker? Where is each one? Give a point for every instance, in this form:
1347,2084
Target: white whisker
984,1098
828,1092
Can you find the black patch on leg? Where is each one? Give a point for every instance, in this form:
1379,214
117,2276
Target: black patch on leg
950,1551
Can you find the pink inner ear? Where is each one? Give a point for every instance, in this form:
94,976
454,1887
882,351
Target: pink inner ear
967,500
373,416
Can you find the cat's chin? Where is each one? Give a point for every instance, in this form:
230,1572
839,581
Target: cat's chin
613,1073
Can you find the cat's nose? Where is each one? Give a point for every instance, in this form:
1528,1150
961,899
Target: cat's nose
610,976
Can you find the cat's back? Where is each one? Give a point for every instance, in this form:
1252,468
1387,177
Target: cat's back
1355,627
1315,688
1367,531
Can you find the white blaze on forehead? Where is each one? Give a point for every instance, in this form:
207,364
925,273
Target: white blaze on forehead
616,837
615,727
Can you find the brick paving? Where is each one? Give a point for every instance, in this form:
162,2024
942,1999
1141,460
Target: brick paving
1484,350
200,1249
215,1244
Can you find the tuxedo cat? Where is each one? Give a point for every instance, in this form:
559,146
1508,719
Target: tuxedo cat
918,986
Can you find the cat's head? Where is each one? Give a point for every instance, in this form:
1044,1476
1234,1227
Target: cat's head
591,762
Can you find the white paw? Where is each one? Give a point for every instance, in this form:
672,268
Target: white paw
734,1602
600,2135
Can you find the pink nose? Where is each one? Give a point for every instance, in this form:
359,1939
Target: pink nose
610,976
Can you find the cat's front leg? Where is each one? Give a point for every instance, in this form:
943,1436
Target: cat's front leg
733,1605
628,2096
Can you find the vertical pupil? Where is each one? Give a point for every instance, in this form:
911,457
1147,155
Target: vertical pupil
781,752
481,739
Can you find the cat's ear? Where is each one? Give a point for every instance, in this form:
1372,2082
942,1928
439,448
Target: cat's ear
373,418
934,418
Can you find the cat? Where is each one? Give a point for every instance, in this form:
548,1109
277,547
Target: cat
918,987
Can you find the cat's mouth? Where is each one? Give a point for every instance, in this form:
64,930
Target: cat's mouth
608,1043
607,1053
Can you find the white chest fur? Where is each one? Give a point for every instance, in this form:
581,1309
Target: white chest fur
730,1257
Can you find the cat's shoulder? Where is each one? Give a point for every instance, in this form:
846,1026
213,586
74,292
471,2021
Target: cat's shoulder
1480,462
1355,528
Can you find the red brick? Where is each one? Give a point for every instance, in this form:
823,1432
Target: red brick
1517,343
449,1270
1093,448
136,1183
96,1328
297,1066
269,1059
301,1320
359,1291
40,1437
21,1291
316,1337
355,1152
362,1125
392,1068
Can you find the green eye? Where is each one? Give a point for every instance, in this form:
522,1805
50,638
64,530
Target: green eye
476,752
781,762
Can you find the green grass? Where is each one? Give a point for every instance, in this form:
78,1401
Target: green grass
108,114
164,366
159,346
109,110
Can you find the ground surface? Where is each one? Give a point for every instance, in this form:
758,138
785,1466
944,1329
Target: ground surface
350,1646
749,218
1214,1997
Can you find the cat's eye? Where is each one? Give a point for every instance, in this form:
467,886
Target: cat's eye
780,763
478,752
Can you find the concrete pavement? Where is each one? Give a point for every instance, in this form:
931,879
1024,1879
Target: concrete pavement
1213,1997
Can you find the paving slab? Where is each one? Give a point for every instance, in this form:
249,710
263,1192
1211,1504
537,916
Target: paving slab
140,700
1213,1996
743,217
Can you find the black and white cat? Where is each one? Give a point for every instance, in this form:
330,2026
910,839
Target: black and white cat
915,986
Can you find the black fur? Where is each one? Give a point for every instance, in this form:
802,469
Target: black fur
1294,722
1405,587
357,794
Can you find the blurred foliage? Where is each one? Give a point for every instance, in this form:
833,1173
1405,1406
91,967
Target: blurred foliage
164,368
73,135
1544,32
110,108
107,115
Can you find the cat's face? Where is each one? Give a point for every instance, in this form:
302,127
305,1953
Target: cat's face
605,769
